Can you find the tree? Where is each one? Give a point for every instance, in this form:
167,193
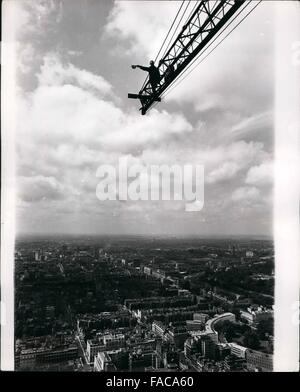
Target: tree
227,328
251,340
237,314
265,327
186,285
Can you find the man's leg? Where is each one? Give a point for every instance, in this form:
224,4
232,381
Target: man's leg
153,86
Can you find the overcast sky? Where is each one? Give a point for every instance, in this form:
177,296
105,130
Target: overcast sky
73,115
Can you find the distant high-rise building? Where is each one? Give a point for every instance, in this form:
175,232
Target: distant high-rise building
37,255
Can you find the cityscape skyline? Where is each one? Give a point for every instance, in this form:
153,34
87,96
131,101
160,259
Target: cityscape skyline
134,304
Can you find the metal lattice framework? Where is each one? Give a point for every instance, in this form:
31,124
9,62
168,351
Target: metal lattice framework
204,23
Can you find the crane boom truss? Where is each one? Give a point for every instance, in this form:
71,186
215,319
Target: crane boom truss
204,23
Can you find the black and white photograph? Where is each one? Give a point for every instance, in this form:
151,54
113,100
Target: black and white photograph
150,187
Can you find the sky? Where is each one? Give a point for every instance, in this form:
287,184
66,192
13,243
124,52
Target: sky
73,115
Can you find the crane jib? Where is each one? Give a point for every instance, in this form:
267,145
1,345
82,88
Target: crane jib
204,23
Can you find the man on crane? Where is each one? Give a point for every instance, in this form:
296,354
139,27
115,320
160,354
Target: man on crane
154,76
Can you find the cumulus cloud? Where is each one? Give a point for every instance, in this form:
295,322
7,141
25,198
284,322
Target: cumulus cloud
63,108
66,130
224,172
136,22
260,175
236,77
54,73
234,157
73,117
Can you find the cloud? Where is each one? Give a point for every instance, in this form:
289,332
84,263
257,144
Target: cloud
38,16
247,194
73,116
225,162
70,106
256,127
26,55
236,78
37,28
260,175
37,188
250,124
54,73
136,22
67,127
224,172
75,53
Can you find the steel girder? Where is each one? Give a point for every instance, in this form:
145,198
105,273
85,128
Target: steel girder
207,19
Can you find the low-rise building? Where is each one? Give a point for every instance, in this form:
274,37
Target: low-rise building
93,346
104,342
255,314
31,357
194,325
158,328
237,350
113,341
202,317
103,363
259,361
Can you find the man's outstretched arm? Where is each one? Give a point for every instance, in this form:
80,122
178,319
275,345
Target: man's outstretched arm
141,67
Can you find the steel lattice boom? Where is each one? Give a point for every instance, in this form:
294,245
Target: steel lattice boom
205,22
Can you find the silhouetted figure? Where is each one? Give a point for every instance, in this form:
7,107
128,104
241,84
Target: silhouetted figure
169,73
154,76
